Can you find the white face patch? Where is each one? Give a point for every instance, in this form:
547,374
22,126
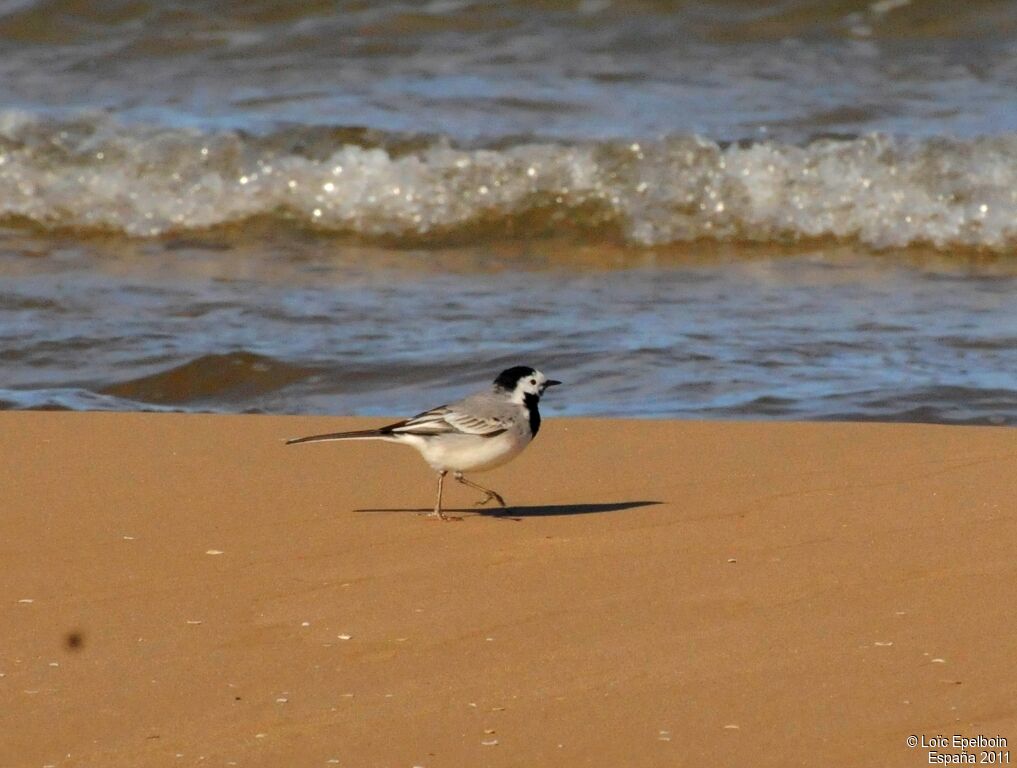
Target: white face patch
530,385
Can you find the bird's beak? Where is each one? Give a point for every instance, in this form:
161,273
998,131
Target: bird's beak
551,383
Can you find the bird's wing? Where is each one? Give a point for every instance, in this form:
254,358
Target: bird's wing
447,420
471,424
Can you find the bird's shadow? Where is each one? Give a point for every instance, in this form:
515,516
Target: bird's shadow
514,512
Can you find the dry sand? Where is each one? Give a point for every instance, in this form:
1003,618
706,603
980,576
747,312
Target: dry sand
185,590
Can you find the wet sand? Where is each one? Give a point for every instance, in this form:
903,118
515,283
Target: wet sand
185,590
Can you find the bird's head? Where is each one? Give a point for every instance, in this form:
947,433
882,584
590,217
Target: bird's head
521,381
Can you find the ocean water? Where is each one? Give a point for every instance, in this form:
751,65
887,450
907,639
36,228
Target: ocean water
713,209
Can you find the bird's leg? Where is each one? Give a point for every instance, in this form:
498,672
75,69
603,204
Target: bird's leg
488,493
438,514
437,503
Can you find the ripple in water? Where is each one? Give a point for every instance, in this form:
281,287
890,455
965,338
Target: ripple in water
95,175
817,335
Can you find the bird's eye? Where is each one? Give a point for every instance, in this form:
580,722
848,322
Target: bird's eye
533,381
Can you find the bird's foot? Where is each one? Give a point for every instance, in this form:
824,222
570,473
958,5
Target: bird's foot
492,495
441,517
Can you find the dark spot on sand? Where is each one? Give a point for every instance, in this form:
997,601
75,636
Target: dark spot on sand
74,641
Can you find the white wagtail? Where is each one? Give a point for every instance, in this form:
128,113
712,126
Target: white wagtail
477,433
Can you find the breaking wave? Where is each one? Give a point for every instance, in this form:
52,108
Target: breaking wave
91,172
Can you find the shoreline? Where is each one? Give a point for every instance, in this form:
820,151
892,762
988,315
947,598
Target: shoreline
280,326
663,593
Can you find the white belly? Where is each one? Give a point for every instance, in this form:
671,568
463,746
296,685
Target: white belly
468,453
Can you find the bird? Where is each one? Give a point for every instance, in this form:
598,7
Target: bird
480,432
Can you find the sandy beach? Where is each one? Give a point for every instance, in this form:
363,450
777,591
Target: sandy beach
771,251
185,590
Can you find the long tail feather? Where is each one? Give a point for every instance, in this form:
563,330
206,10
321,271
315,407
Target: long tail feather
363,434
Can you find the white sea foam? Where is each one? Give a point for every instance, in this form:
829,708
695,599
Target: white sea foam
94,173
